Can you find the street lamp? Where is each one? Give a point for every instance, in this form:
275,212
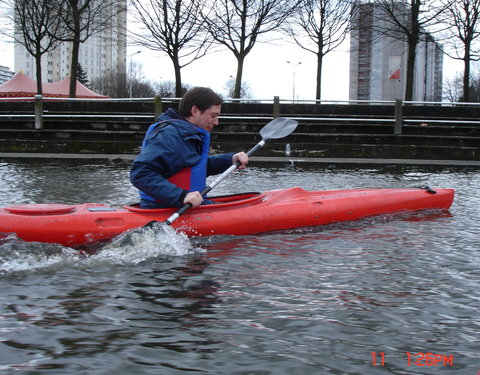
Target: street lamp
131,78
294,65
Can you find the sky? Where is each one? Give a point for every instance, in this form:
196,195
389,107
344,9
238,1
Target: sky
266,70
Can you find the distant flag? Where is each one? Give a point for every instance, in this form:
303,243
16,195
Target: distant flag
395,74
394,66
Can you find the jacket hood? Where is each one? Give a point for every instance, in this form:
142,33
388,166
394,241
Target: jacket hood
184,127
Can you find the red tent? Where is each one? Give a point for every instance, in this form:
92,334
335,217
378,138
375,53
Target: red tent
20,86
61,89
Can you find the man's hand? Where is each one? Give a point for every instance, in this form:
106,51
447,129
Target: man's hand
242,158
194,198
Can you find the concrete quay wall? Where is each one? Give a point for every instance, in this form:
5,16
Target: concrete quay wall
405,131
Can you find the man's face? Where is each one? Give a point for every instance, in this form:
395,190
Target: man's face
207,119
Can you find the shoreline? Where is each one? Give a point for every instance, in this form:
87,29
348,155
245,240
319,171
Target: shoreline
260,159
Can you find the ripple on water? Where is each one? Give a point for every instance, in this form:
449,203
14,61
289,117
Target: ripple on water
312,301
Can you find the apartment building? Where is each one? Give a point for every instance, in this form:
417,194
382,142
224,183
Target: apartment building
378,62
5,74
100,54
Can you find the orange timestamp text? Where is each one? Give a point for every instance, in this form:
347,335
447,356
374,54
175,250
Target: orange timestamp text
416,359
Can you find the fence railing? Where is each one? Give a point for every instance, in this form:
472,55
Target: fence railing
397,119
254,100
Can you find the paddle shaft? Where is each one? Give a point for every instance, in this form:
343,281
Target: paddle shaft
219,179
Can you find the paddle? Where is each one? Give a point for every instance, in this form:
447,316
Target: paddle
278,128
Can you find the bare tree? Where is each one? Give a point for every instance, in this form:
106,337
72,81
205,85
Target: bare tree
81,20
464,31
408,21
229,87
116,85
164,89
35,24
238,26
319,27
475,87
138,86
452,88
173,27
113,83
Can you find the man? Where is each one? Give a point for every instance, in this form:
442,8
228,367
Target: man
173,164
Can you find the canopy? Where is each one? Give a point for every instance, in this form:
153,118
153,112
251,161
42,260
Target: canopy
62,88
21,85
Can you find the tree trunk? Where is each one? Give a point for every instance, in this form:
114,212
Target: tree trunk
466,75
178,79
38,65
73,68
75,50
410,70
238,79
318,93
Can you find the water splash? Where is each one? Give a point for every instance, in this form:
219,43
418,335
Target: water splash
20,256
129,248
140,244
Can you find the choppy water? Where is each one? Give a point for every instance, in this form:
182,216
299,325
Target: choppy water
307,302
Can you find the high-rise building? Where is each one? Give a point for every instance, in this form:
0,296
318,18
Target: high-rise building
5,74
378,61
102,53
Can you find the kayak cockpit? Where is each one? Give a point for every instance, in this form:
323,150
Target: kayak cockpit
220,201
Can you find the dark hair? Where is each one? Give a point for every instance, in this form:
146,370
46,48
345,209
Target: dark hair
202,97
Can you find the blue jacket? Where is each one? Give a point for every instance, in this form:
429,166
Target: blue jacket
170,146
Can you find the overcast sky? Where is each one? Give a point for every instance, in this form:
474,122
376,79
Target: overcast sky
266,70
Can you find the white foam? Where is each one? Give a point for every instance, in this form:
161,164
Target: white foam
17,255
131,247
140,244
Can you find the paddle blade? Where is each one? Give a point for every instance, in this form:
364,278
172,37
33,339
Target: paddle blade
279,127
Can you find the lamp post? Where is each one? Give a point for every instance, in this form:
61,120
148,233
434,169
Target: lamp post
131,78
294,65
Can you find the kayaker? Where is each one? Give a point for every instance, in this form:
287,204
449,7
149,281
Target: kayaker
174,162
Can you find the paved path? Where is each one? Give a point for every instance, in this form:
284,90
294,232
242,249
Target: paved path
260,159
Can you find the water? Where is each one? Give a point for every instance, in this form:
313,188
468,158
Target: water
317,301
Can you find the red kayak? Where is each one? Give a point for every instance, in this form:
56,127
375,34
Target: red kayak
242,214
